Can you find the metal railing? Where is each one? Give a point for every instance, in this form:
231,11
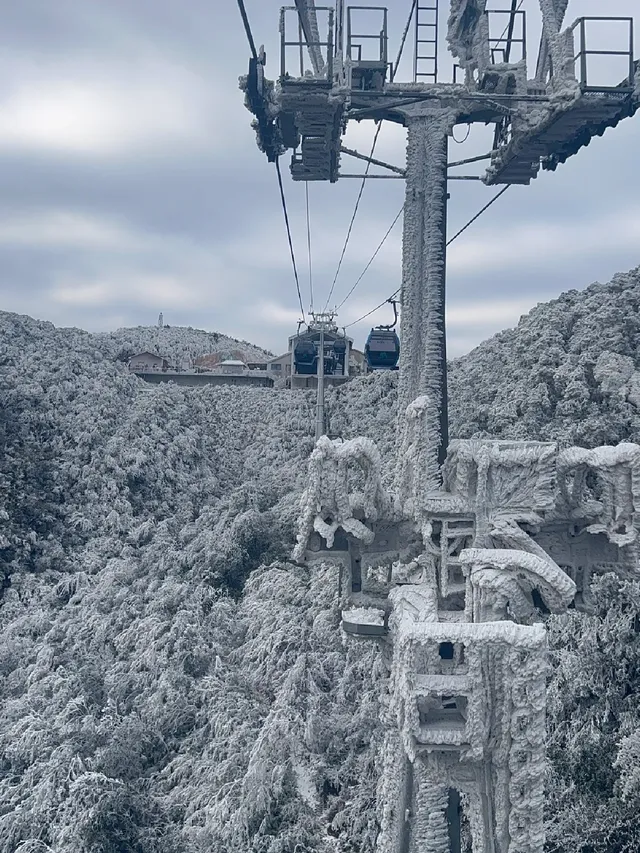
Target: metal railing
355,41
504,43
582,56
302,44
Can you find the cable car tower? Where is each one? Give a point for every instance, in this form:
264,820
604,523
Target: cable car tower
540,121
452,571
321,351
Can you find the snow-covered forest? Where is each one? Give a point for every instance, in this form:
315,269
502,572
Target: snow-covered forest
171,683
180,346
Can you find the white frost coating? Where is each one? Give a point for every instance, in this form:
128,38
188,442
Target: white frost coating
528,571
618,472
559,47
430,831
364,616
415,602
477,712
392,799
524,636
328,503
423,260
413,572
509,474
607,456
498,477
553,15
612,371
488,705
418,470
468,35
309,18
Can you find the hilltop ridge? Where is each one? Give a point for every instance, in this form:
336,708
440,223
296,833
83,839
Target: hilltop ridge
170,683
182,345
569,371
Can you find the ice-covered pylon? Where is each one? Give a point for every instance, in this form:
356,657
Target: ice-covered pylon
344,490
617,498
418,471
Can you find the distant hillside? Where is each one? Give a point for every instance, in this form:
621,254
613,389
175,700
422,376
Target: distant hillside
130,519
569,371
182,345
169,683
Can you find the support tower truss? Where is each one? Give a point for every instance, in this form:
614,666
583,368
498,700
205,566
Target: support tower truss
452,571
452,581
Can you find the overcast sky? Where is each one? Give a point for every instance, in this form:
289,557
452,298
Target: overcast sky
130,184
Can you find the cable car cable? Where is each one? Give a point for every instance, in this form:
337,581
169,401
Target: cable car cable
394,68
449,242
247,28
286,222
369,313
353,218
252,45
512,13
479,213
373,257
306,193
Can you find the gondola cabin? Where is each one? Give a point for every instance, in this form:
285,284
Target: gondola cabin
382,349
305,357
305,351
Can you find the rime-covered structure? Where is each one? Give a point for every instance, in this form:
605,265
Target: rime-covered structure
541,118
454,570
454,580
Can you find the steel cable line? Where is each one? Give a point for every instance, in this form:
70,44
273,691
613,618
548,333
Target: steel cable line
368,314
394,68
286,222
306,193
353,218
366,172
449,242
373,257
247,28
252,45
479,213
513,12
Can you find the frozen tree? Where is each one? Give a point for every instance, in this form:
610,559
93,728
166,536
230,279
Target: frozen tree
169,682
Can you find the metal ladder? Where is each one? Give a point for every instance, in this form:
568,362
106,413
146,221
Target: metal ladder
425,55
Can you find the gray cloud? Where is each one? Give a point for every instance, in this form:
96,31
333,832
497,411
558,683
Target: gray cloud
130,183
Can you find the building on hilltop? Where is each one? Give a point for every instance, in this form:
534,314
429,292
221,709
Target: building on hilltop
146,361
155,369
357,362
280,366
231,366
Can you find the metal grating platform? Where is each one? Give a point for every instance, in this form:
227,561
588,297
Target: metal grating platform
562,136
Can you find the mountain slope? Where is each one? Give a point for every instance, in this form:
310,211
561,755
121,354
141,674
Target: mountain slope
179,344
169,682
570,371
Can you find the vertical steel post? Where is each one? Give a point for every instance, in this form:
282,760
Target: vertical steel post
423,349
583,53
339,26
453,821
632,64
283,49
330,48
301,47
320,398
